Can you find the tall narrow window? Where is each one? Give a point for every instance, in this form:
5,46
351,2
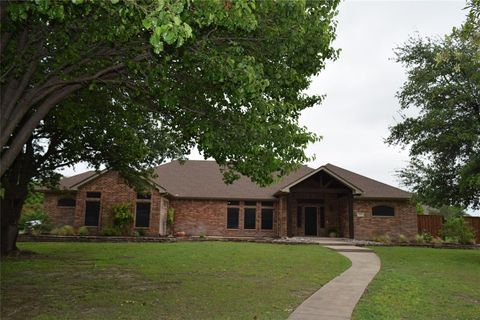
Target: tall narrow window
267,219
142,216
92,213
232,218
249,218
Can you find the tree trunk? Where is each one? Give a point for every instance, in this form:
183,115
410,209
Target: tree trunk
11,209
15,183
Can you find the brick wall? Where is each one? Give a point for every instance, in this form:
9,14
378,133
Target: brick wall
114,191
209,217
367,227
60,216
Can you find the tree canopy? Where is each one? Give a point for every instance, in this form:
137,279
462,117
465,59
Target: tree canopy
216,73
443,91
128,84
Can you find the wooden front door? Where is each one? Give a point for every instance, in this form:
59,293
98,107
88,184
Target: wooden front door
311,224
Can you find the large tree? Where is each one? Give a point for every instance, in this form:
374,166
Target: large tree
440,103
128,84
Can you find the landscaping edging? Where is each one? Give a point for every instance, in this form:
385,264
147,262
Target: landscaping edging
56,238
423,245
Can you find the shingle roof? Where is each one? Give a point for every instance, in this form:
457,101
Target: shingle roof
371,188
203,180
69,183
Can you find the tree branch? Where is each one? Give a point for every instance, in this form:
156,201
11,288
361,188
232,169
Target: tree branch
25,132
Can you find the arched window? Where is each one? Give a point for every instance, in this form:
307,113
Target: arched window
383,211
66,202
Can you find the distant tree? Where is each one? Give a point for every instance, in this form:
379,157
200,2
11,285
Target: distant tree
443,91
129,84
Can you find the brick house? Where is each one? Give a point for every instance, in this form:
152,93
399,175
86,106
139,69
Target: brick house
307,202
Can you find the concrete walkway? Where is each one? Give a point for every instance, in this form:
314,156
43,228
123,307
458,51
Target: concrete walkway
337,299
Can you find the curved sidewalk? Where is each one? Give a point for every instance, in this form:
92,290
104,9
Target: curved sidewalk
337,299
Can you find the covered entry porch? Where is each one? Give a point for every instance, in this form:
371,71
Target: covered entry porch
317,205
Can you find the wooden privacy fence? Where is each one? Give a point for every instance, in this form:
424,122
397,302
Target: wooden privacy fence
429,223
433,223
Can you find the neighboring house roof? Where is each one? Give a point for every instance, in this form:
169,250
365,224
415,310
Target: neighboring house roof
198,179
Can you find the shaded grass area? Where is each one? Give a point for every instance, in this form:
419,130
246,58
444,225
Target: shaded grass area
423,283
197,280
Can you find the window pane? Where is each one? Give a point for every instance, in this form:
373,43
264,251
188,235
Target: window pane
232,218
267,219
299,217
66,202
249,218
233,203
144,196
142,218
94,194
383,211
92,213
251,203
267,203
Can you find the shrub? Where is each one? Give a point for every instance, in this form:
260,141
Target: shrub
383,239
65,230
35,222
437,240
110,232
456,230
427,237
419,238
83,231
122,218
141,232
402,239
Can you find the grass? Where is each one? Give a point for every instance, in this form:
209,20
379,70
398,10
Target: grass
423,283
197,280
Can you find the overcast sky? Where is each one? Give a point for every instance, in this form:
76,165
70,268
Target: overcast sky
361,85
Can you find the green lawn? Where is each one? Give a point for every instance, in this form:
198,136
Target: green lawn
196,280
423,283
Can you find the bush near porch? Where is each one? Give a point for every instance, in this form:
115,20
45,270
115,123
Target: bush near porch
194,280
